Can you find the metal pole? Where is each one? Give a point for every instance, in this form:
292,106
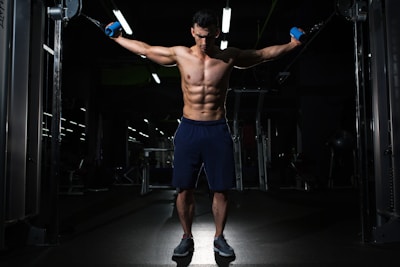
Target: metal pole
237,143
361,171
393,53
5,39
145,174
262,170
55,131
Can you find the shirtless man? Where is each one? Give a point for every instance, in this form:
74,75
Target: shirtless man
203,137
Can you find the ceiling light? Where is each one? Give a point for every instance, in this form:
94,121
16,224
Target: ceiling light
123,21
224,44
226,19
156,78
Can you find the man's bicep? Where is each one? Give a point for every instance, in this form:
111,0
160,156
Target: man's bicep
162,55
248,58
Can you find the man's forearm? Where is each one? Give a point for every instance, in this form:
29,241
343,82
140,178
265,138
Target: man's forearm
276,51
135,46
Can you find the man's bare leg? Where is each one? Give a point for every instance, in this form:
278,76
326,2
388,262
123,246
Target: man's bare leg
220,211
185,208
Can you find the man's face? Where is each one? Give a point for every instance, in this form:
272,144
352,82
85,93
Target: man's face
205,37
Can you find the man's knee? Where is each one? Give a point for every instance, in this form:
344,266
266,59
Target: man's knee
186,195
185,191
221,195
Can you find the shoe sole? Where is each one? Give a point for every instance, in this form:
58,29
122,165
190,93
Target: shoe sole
183,254
223,254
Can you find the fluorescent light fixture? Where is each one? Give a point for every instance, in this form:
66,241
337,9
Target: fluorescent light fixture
224,44
48,49
131,139
156,78
145,135
226,19
123,21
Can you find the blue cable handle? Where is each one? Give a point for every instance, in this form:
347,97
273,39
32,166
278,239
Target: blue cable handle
113,29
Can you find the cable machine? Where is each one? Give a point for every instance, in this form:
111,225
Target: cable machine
263,139
21,77
385,84
61,13
376,49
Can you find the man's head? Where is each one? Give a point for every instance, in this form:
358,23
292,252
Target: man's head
205,18
205,29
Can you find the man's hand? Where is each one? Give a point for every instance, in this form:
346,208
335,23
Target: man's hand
295,41
113,29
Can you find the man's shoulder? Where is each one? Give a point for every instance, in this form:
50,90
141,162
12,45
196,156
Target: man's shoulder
182,48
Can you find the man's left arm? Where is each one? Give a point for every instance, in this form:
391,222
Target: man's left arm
250,58
275,51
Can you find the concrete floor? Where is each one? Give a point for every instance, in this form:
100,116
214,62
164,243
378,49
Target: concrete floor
276,228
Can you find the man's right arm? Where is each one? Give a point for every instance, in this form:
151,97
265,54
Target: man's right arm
159,54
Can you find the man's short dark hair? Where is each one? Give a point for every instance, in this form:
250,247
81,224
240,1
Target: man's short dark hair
205,18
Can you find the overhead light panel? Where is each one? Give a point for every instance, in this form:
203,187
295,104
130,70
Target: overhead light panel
156,78
122,20
226,19
224,44
153,71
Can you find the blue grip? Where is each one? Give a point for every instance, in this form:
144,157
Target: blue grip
113,29
296,33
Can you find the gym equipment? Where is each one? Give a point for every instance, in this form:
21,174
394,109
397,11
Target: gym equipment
75,185
305,37
349,9
122,178
65,11
263,140
298,34
97,23
381,123
341,144
146,185
111,30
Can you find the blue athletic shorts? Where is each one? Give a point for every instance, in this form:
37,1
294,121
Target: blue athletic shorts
203,144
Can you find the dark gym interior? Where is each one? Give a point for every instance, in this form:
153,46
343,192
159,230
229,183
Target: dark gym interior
86,136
